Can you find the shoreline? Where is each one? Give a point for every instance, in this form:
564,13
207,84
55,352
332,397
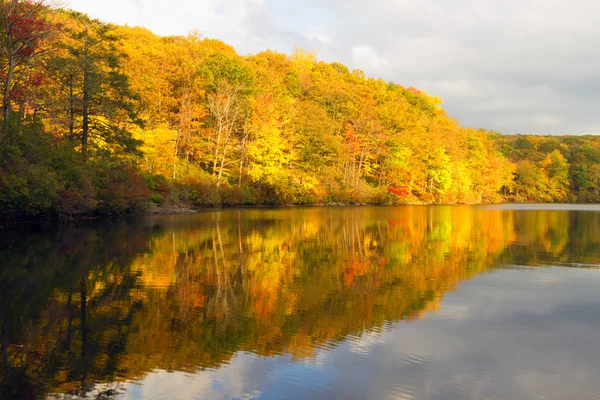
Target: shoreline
175,211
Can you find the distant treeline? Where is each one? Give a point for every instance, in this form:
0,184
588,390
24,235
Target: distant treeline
553,168
99,119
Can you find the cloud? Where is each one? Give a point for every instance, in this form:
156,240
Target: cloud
368,56
549,120
500,335
525,66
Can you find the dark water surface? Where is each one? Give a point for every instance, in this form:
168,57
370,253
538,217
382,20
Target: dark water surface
358,303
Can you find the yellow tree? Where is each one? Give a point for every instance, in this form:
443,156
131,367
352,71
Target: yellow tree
556,167
228,86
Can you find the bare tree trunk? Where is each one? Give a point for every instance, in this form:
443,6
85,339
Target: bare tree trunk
86,101
71,110
240,172
217,144
11,62
7,87
222,162
86,114
362,158
345,173
177,140
243,154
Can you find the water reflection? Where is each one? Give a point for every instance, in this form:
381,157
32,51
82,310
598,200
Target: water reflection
86,309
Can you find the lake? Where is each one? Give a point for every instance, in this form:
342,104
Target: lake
439,302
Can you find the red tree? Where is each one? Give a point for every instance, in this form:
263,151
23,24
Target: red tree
401,191
23,29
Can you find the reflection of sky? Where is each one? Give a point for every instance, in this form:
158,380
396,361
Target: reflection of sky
542,207
517,334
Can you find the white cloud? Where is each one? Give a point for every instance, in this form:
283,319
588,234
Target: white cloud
238,379
320,38
499,64
368,56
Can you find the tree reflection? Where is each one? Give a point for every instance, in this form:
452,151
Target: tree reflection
100,303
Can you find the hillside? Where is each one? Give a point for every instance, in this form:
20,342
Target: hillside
104,119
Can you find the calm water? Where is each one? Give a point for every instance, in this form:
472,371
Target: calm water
379,303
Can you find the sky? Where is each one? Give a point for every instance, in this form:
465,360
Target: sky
514,66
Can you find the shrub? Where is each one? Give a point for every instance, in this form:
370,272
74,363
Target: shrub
157,199
121,189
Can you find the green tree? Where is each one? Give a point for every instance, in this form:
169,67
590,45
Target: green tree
98,90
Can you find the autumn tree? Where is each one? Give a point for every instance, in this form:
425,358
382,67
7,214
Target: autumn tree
228,85
556,168
99,99
217,128
317,145
24,28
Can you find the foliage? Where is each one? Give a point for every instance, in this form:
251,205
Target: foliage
553,168
43,177
101,118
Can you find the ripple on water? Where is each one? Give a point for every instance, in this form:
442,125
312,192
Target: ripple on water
303,303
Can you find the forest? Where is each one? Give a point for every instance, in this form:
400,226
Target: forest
105,119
